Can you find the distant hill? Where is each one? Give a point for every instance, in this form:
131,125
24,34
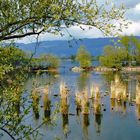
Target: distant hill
62,48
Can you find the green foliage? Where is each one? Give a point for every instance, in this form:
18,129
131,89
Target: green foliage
52,61
12,55
20,18
12,110
16,106
132,46
124,52
73,57
83,57
82,80
35,63
138,52
46,61
113,57
11,58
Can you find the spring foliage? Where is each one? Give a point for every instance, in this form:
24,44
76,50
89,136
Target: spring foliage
83,57
20,18
123,53
11,58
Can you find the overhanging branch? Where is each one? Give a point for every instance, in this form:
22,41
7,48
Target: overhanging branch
21,35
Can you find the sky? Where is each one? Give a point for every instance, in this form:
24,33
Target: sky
133,15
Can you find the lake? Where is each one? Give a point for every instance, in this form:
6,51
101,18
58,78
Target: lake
114,114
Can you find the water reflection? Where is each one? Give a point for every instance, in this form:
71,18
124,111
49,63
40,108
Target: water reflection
90,101
98,119
118,89
96,98
35,99
119,95
16,104
89,97
97,108
85,111
83,80
47,107
86,123
138,93
138,100
64,107
78,103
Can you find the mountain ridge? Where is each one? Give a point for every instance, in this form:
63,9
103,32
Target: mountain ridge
64,48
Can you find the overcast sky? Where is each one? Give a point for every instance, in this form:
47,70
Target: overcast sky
133,14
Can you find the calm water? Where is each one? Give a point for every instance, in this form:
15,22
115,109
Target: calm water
118,119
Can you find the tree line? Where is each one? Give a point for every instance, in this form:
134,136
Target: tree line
124,52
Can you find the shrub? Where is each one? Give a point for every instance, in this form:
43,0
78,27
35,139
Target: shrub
83,57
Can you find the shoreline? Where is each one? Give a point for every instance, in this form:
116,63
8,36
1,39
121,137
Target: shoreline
105,69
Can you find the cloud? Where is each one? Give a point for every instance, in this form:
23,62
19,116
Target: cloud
128,3
133,15
75,31
137,8
133,29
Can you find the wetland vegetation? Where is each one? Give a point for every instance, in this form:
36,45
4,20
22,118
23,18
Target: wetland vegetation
41,98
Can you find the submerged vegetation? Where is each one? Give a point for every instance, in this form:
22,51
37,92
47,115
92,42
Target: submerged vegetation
25,97
14,71
45,105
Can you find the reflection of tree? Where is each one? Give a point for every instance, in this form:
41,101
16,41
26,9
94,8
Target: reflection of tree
138,111
108,76
78,104
64,112
124,107
138,93
98,119
118,94
138,99
85,111
16,105
65,118
112,103
118,89
82,80
82,100
35,98
12,109
86,124
118,106
47,107
85,102
83,105
97,109
43,79
64,107
42,91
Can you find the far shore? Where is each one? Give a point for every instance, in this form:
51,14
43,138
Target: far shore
92,68
105,69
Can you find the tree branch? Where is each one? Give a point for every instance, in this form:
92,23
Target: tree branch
21,35
8,133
